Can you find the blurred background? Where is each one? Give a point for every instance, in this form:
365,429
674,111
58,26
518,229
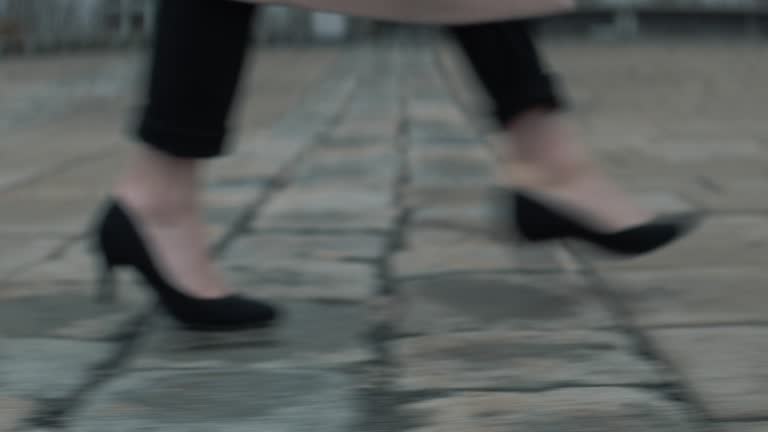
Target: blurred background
43,25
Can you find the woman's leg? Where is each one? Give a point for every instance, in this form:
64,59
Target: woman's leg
542,152
199,49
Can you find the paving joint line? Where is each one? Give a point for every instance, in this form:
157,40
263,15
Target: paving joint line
383,401
643,345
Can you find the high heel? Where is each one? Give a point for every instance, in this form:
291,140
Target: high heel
118,244
534,220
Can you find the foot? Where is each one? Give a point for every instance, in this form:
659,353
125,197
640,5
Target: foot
161,195
545,158
590,196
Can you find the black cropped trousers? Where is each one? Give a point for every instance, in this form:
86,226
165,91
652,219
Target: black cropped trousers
200,47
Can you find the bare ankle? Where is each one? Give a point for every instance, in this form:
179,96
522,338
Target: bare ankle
155,205
547,140
159,186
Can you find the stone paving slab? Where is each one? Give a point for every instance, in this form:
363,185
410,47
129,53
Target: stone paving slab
62,201
27,371
309,335
445,195
288,400
734,195
256,156
363,162
447,304
720,242
699,155
443,133
311,247
723,366
293,278
521,361
746,427
310,208
13,411
28,157
569,410
23,250
71,265
446,167
479,218
663,202
421,111
380,127
69,312
693,297
446,234
473,256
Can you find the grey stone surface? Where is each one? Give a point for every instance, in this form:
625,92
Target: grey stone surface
60,172
664,202
693,296
370,165
727,193
746,427
447,234
444,133
293,278
720,242
435,120
13,411
23,250
320,247
70,312
367,128
421,110
274,400
347,208
259,157
723,366
472,256
73,265
47,368
570,410
447,195
521,361
48,211
474,218
383,104
500,302
224,204
309,334
450,167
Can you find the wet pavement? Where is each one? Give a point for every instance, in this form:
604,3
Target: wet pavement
358,201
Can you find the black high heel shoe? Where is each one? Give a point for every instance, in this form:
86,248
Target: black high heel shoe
534,221
119,244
